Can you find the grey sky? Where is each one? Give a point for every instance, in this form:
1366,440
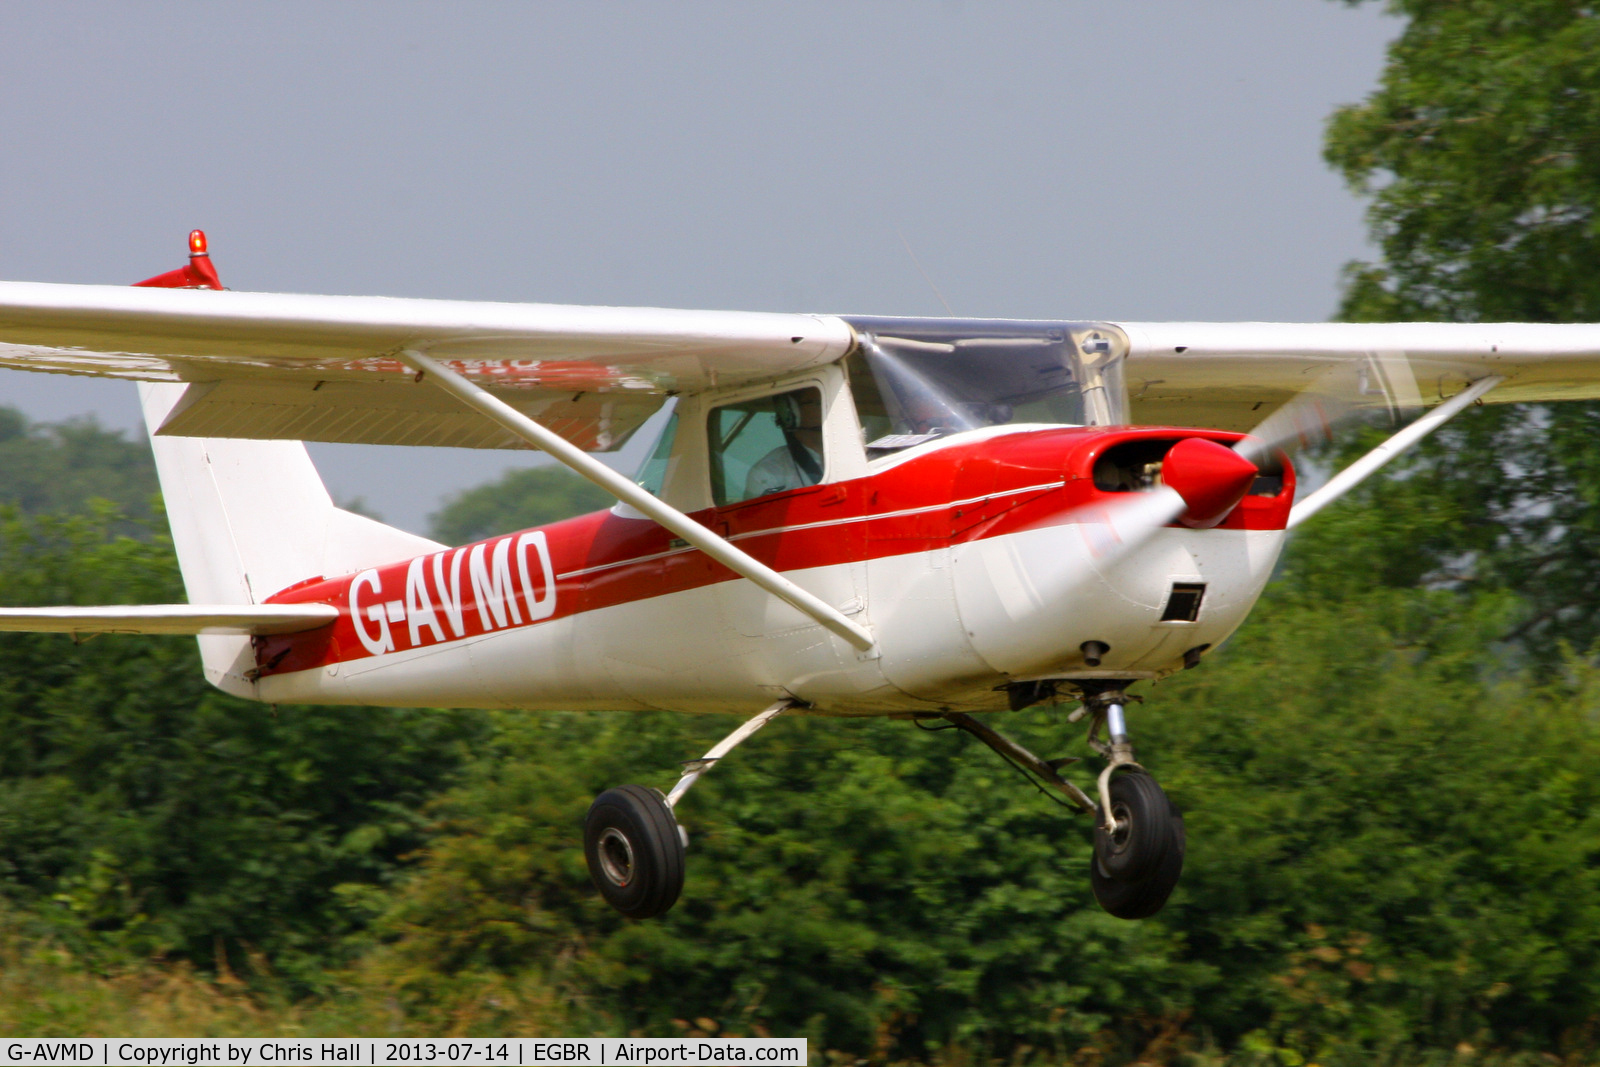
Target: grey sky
1148,159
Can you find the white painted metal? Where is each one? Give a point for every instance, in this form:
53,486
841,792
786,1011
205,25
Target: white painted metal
154,334
171,619
1507,342
386,412
1227,375
1368,464
250,518
1206,355
125,331
631,494
685,650
693,770
1029,600
257,354
927,651
946,643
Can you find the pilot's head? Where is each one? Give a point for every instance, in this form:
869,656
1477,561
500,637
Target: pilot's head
800,411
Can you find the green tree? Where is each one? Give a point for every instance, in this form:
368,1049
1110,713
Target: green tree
515,501
143,813
57,468
1480,152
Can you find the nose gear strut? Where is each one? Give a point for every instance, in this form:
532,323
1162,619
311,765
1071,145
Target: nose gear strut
1139,839
1108,707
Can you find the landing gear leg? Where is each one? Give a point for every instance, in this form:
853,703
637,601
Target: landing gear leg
1139,840
633,842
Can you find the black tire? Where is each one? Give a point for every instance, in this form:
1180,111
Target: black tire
1144,897
635,851
1144,828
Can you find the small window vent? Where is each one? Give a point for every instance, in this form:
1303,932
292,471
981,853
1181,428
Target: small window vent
1183,603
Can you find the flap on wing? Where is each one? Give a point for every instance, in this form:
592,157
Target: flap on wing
171,619
591,373
396,413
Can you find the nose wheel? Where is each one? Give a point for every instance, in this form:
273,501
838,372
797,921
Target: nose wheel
1139,838
1138,859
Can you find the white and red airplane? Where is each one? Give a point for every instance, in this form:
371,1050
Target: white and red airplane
845,515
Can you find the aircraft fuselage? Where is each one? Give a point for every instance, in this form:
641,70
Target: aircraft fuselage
976,561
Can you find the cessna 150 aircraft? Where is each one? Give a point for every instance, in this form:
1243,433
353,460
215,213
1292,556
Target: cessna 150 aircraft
845,515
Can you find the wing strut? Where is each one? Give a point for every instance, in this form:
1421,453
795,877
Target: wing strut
741,563
1357,472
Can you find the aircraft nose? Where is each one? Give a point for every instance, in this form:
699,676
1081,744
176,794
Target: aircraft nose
1210,478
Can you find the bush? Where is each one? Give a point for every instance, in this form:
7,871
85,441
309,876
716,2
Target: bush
143,813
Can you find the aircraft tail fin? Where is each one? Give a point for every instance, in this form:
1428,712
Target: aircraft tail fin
250,518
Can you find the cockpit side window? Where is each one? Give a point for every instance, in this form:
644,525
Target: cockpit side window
766,445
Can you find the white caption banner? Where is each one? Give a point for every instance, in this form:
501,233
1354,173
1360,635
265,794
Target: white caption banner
518,1052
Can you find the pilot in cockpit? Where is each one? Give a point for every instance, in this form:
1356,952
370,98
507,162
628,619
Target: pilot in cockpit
798,461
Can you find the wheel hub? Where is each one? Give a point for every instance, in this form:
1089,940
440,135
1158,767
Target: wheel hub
616,856
1121,826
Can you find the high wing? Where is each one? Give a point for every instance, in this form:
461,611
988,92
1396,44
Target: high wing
1230,375
328,368
250,619
325,368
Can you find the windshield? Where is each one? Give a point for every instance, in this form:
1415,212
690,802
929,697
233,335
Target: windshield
917,379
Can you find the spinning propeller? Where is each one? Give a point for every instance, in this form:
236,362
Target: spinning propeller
1201,481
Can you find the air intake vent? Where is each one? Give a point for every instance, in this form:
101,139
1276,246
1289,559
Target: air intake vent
1183,603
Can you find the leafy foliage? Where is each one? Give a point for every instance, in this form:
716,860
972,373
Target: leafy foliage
57,468
517,500
143,813
1480,153
1481,157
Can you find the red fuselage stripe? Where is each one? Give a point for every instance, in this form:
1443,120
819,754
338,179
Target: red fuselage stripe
952,495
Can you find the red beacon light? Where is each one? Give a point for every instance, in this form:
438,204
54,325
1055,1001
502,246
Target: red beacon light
199,274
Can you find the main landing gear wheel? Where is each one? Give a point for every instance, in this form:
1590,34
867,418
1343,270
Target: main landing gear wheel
633,841
1136,866
635,851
